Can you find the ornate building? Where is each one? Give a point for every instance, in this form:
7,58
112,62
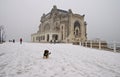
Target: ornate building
61,26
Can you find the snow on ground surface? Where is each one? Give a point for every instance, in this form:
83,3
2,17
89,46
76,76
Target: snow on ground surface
66,60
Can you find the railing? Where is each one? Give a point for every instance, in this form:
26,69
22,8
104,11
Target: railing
114,46
102,45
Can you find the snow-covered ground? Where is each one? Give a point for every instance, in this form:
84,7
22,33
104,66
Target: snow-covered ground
66,60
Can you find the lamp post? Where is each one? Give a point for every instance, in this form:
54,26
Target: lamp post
1,33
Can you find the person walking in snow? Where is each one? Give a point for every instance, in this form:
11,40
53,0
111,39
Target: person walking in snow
13,40
20,40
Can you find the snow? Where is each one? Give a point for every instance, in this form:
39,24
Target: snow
66,60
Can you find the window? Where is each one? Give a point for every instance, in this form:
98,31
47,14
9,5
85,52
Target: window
77,29
76,24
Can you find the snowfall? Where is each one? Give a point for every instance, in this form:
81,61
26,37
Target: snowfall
65,60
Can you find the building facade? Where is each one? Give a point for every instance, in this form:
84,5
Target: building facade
61,26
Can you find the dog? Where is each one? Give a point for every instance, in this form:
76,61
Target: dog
46,54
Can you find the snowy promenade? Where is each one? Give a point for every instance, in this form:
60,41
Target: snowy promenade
66,60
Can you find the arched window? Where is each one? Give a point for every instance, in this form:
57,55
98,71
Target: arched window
77,29
76,24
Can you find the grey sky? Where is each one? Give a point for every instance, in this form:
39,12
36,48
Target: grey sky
22,17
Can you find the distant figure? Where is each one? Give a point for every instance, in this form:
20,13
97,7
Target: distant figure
10,40
46,54
13,40
20,40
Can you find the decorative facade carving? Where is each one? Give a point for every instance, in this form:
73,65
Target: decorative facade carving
61,26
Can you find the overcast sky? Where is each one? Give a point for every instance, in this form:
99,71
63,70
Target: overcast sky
21,18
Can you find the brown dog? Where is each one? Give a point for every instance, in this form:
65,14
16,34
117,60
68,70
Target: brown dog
46,54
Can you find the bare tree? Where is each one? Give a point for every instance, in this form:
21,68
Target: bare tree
2,34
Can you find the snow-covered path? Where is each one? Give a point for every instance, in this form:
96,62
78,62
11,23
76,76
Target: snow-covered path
66,60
